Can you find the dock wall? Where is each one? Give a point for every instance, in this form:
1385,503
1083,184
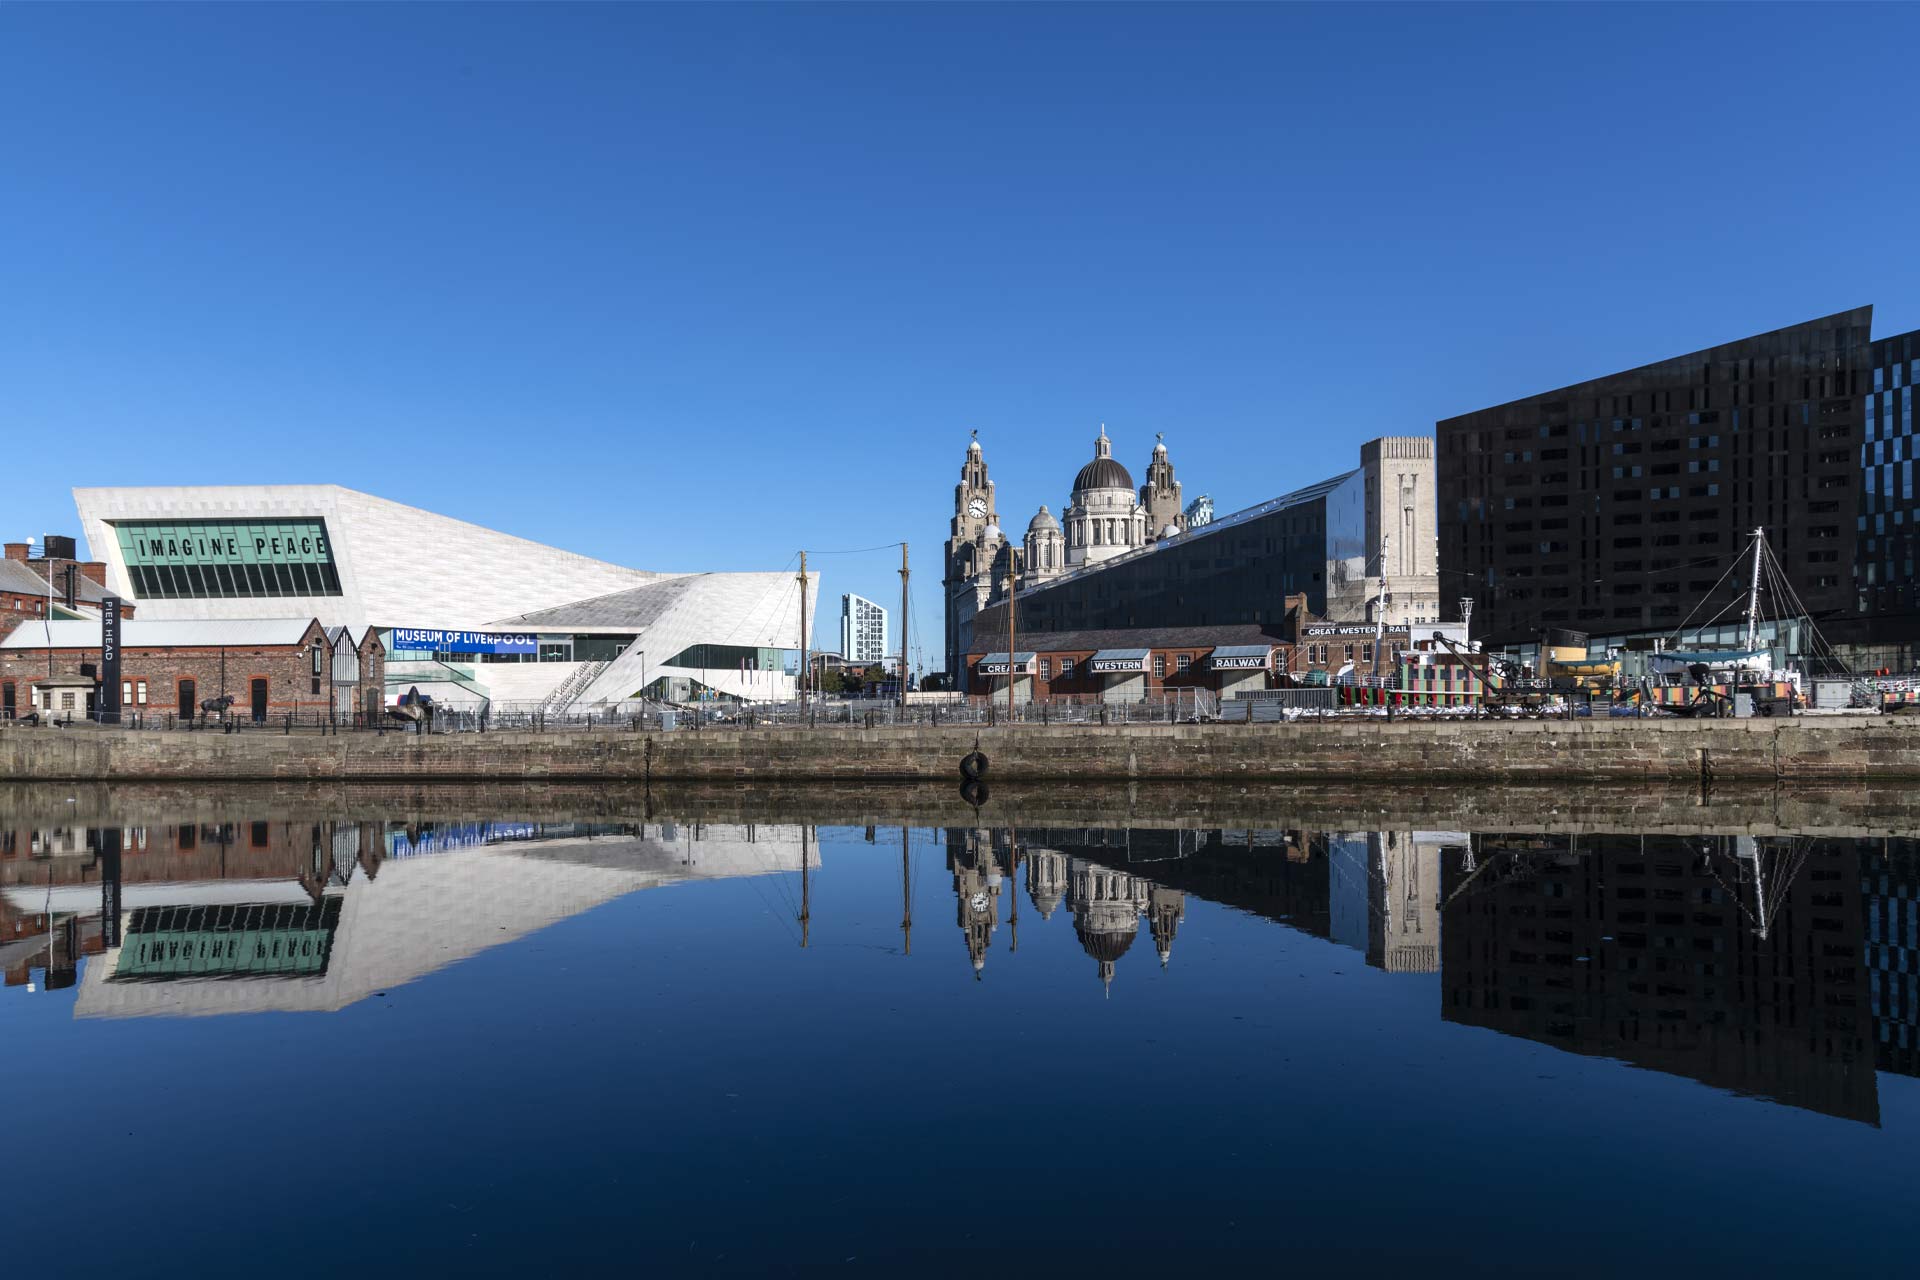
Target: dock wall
1803,750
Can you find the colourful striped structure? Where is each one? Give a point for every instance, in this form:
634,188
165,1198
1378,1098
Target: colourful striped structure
1440,684
1685,695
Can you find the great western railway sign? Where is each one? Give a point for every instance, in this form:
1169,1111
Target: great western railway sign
1342,629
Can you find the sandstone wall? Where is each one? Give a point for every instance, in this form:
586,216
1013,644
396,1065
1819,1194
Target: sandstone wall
1837,750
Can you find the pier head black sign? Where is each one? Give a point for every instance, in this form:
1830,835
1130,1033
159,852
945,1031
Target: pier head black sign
109,701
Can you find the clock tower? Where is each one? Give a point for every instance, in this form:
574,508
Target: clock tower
969,555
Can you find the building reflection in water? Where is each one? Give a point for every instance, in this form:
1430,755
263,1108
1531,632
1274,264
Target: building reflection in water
1733,960
1890,893
1086,870
251,917
1783,968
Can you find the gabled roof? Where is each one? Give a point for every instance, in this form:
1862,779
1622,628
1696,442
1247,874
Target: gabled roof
146,633
15,576
21,576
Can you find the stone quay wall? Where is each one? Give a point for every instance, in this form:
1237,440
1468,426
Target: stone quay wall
1802,750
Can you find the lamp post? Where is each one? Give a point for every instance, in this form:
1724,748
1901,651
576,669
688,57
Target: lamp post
1011,664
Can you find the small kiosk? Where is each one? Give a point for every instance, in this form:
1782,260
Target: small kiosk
1240,668
1122,672
994,671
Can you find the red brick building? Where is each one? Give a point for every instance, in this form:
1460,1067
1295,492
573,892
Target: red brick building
267,666
24,594
1136,663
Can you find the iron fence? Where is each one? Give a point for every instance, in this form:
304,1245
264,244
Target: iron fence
1322,703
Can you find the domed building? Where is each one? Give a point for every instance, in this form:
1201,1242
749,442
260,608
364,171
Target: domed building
1046,549
1105,517
1046,880
1107,906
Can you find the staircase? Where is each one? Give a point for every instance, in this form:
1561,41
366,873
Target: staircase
572,687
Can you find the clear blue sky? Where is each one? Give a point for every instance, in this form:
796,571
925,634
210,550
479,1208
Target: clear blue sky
692,288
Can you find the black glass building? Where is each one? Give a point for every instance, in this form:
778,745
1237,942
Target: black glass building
1617,506
1884,528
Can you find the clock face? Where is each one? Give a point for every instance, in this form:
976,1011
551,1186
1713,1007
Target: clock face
978,902
977,508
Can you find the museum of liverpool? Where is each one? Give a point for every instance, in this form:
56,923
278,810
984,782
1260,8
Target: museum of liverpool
467,615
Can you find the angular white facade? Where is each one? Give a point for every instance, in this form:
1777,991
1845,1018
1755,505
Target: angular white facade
232,552
398,566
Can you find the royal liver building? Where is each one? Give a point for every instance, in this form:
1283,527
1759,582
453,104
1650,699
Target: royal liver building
1105,517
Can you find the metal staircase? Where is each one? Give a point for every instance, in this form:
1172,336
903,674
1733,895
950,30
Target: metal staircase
572,687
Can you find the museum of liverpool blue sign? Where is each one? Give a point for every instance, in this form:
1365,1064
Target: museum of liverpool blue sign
463,641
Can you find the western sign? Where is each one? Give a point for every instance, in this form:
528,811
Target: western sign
1341,629
1118,664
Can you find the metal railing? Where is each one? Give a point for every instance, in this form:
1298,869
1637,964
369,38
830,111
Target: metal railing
1184,706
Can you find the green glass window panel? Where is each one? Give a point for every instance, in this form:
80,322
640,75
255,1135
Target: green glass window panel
188,559
253,941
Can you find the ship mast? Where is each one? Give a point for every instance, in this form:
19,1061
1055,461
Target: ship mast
1753,589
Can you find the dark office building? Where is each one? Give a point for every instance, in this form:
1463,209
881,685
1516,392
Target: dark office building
1613,506
1884,550
1890,892
1735,961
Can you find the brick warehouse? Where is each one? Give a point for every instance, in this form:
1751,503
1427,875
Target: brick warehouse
78,585
267,666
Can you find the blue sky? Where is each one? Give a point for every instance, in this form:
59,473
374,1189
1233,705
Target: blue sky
694,288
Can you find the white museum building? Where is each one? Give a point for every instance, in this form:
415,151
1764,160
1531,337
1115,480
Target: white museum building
468,614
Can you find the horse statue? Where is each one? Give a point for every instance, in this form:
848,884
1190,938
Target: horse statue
416,708
217,706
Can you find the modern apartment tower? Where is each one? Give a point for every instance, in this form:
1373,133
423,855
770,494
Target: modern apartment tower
863,629
1617,506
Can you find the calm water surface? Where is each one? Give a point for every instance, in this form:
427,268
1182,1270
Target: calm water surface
526,1047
